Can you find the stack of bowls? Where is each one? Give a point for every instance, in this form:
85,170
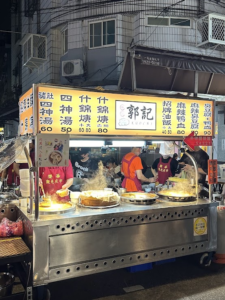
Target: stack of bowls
25,182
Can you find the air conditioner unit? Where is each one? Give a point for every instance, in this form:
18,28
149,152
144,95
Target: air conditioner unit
210,32
72,68
34,50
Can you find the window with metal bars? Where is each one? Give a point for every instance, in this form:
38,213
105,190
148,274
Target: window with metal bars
168,21
102,34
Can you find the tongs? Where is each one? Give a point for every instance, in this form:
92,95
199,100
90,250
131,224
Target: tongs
42,188
47,201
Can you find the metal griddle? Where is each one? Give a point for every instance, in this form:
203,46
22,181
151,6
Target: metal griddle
139,200
176,198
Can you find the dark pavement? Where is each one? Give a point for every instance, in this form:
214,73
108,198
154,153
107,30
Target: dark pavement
184,279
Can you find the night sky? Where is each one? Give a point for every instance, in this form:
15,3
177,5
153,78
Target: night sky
5,15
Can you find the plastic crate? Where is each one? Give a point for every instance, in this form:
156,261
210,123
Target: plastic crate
139,268
165,261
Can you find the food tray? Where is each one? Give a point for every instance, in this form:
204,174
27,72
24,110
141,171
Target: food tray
138,202
94,207
139,196
177,198
57,208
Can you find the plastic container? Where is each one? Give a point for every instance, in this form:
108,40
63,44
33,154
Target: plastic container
139,268
25,184
25,193
6,284
24,173
74,196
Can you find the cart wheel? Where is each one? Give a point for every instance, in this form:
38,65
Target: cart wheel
206,259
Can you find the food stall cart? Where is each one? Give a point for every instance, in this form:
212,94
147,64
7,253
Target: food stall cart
82,241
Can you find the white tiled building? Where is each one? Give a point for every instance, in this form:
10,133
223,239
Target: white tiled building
99,34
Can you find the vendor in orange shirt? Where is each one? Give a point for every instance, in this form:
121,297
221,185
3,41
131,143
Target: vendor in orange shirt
132,171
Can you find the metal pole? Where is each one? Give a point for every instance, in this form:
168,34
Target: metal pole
36,192
196,170
30,208
196,173
210,185
133,71
196,84
36,181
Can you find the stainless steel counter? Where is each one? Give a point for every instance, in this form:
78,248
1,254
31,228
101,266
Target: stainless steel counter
96,240
123,208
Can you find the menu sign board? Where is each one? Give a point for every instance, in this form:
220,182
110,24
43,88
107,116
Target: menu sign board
26,103
53,150
95,113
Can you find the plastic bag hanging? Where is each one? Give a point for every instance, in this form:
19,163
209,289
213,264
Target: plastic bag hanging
167,148
10,150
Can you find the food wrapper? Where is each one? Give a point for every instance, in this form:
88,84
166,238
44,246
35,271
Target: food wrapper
10,228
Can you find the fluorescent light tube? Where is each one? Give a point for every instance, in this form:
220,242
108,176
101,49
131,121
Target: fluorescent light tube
128,144
87,143
157,142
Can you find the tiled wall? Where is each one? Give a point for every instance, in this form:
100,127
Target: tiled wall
129,26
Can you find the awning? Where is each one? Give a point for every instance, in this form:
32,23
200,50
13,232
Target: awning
154,69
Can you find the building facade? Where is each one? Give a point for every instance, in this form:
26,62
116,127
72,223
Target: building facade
84,42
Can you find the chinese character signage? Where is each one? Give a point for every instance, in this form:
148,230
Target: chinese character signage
95,113
53,150
26,113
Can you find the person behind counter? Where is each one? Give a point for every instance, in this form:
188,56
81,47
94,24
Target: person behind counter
175,156
84,165
12,174
165,166
56,178
132,171
201,158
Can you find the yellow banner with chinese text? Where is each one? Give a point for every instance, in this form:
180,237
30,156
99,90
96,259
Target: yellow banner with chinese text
26,103
101,113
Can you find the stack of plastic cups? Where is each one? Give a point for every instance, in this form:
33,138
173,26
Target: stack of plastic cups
25,183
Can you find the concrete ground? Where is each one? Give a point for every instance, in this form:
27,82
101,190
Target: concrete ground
183,279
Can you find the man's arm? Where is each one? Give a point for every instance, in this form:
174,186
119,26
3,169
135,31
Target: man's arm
188,168
141,177
154,173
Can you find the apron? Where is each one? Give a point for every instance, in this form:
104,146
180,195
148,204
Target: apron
127,176
11,176
164,171
53,179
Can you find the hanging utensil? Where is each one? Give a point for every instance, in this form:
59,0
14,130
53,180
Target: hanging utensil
42,188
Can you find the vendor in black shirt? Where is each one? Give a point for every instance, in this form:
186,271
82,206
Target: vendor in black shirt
165,166
84,166
201,158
